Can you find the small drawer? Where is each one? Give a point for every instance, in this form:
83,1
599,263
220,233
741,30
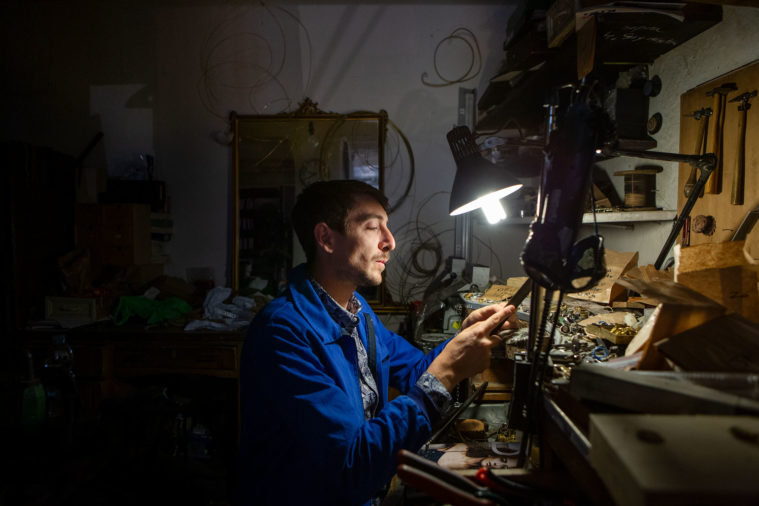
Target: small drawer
88,361
138,360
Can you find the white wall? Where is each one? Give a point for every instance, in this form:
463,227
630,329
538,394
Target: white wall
179,71
373,57
192,65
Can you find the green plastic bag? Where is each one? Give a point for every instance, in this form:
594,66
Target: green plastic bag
152,311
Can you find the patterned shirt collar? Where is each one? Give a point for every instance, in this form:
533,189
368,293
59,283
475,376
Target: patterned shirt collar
346,318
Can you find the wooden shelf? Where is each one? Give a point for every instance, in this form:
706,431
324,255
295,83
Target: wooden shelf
611,217
630,216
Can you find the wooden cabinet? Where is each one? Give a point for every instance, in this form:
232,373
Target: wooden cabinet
106,360
149,409
141,359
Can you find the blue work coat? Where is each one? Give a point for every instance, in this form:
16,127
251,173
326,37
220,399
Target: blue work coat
304,439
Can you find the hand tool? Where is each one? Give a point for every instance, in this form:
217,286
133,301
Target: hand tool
516,299
715,139
514,490
739,175
443,484
746,225
703,129
685,239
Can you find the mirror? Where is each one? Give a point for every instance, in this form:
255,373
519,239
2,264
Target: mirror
277,155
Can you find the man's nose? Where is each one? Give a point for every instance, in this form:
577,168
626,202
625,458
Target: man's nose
387,242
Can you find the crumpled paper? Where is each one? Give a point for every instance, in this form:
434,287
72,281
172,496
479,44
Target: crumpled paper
219,315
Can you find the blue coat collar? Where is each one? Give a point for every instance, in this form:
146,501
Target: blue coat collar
307,303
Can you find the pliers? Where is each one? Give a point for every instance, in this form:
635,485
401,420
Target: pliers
517,493
444,485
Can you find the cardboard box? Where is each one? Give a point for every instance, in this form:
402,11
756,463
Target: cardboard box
75,311
632,33
722,272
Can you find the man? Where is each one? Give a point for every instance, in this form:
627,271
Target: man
316,425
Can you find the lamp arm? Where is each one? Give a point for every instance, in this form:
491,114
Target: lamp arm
704,163
697,161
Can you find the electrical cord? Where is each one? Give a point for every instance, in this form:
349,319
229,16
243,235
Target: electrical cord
229,50
412,164
460,34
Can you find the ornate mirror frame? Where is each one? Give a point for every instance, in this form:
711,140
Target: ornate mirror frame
275,156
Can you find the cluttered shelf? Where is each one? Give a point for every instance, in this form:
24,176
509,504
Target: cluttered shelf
570,39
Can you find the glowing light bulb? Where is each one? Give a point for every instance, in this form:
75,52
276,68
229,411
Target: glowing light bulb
493,211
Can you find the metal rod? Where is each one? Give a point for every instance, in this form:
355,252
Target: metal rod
453,416
704,163
695,160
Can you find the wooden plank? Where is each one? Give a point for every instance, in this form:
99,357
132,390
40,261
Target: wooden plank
710,256
641,392
733,287
729,343
669,459
721,272
680,308
728,217
671,320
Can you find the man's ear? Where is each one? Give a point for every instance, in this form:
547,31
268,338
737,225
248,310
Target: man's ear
324,237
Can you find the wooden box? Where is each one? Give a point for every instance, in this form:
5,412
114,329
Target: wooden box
676,459
622,36
73,311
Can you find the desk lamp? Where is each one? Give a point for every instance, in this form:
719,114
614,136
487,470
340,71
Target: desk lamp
478,182
551,258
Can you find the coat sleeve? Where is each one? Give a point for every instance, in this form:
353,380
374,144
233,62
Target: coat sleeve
405,362
307,389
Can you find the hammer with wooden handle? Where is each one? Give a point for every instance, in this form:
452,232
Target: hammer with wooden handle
714,142
739,175
703,128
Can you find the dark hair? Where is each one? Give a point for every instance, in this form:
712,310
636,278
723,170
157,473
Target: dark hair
330,202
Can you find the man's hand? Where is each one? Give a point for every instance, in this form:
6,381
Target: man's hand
485,312
469,352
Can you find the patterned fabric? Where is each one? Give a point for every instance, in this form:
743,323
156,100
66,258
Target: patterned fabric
432,386
348,320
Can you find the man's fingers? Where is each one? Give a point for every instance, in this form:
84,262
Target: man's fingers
497,320
487,327
488,311
495,340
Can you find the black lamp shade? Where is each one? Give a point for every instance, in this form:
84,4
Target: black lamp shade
477,180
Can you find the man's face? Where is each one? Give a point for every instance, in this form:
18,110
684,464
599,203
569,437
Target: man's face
361,253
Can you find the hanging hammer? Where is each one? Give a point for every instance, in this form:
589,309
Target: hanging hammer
715,140
739,176
703,128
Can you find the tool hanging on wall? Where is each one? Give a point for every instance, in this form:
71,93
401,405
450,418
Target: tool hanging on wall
715,139
703,132
739,175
